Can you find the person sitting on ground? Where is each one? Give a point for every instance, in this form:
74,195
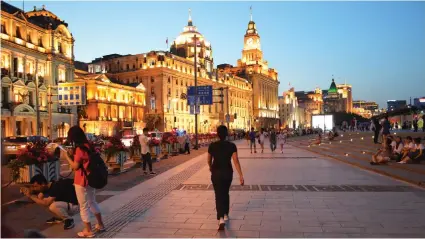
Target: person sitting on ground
383,155
59,197
415,155
332,134
318,140
397,149
408,145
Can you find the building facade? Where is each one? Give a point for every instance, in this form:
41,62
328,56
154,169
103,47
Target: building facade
367,105
37,53
264,80
167,76
396,104
290,113
338,98
419,102
112,108
312,104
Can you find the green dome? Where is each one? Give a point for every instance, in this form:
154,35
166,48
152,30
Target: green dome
333,88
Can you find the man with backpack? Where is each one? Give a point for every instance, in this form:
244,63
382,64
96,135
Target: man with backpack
59,197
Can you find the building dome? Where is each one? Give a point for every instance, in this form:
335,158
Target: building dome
333,88
188,33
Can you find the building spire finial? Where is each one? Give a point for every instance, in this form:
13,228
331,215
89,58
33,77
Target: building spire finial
190,15
250,12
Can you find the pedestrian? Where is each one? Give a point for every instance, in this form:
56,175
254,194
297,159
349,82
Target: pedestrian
273,139
385,129
86,195
376,129
423,122
248,138
220,155
252,136
144,151
415,125
281,138
261,139
186,142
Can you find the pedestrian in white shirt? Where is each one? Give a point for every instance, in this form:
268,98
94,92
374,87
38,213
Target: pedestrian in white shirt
281,138
144,151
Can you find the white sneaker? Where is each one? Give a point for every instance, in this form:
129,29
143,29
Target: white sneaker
226,218
221,224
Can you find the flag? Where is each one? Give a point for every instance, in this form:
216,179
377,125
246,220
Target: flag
166,41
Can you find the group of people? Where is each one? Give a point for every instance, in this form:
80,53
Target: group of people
275,138
67,197
402,151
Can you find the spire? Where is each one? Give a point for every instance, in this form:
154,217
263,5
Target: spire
250,12
190,18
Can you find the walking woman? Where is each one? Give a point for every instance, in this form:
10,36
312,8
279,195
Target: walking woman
220,155
86,195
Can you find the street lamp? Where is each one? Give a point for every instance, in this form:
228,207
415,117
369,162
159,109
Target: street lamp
174,100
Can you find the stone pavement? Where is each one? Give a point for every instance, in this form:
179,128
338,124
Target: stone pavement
295,194
19,216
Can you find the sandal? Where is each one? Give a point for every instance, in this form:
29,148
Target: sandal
97,228
85,235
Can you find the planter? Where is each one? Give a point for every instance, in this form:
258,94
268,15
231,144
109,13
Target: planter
49,170
116,162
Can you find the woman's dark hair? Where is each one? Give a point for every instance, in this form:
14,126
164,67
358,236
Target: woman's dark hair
77,137
417,140
39,178
222,132
409,138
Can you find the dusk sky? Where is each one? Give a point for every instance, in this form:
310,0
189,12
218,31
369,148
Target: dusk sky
377,47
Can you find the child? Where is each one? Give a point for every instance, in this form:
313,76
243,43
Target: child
397,149
281,139
416,154
383,155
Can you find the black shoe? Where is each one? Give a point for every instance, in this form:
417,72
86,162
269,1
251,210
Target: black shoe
68,224
54,220
145,172
153,173
373,163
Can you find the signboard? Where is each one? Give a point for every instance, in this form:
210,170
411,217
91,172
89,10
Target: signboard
72,93
205,95
325,122
192,109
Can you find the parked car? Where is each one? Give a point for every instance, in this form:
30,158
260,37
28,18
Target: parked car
127,140
13,144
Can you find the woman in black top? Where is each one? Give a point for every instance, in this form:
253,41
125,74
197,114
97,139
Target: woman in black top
220,154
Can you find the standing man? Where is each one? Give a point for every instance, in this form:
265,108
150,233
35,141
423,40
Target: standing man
423,122
252,136
186,143
415,124
376,130
144,151
273,140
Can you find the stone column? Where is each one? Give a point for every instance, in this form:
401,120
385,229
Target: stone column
25,68
12,67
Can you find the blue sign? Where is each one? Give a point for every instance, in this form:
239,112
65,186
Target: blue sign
205,95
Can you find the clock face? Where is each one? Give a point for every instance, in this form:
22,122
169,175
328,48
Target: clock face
250,41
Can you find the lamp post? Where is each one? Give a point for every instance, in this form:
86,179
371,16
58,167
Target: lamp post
196,92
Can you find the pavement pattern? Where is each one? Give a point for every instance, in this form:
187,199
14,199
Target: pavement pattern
295,194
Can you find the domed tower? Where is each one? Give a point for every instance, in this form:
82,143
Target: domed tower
184,46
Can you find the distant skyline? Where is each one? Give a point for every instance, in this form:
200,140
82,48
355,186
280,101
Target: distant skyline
377,47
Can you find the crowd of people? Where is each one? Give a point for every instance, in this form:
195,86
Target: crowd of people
401,150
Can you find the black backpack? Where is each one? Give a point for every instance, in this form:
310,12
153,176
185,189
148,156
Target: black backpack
98,177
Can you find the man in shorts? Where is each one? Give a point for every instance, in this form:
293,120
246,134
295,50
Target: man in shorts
252,136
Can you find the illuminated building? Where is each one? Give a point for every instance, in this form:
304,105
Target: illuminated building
363,112
311,102
111,107
338,98
367,105
290,114
35,46
396,104
419,102
167,75
264,80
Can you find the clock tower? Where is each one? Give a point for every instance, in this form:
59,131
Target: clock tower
251,53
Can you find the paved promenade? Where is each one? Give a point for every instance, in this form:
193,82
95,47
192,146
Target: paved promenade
294,194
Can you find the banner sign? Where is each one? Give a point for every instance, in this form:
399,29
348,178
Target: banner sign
72,93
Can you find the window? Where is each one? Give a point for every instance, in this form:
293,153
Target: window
18,32
181,83
177,82
152,90
134,66
29,37
128,67
169,91
60,47
169,80
3,27
152,79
